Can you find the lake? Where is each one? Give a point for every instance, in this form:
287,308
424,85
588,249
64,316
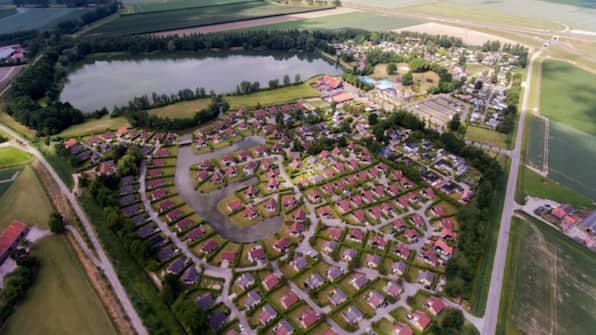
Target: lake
112,82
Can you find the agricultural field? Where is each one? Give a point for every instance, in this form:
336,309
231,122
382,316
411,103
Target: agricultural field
38,18
62,301
567,95
547,286
487,136
95,125
23,195
10,156
162,21
354,20
569,145
145,6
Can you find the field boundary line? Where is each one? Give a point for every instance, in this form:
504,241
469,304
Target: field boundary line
554,298
546,146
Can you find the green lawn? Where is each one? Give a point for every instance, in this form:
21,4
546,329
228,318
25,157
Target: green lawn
548,281
25,200
533,184
144,295
181,110
272,97
6,174
357,20
567,95
195,17
10,156
93,126
62,301
487,136
11,123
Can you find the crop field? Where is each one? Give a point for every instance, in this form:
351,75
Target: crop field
195,17
62,301
536,145
145,6
356,20
572,158
548,283
38,18
25,200
567,95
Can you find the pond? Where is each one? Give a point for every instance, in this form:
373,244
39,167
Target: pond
108,82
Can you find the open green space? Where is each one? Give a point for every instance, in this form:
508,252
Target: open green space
25,200
487,136
356,20
572,158
10,156
547,287
93,126
271,97
532,184
62,301
62,166
38,18
4,12
195,17
537,142
567,95
5,176
144,6
10,122
181,110
140,289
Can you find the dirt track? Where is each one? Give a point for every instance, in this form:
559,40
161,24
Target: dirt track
256,22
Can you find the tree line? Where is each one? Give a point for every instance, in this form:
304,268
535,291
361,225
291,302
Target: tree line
17,283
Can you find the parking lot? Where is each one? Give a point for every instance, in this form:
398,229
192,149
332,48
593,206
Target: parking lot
439,110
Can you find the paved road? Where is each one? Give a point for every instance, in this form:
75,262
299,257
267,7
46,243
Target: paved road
496,283
105,263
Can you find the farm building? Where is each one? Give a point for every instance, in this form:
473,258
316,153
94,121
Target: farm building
10,238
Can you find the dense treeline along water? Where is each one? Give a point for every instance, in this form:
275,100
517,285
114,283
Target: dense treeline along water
108,82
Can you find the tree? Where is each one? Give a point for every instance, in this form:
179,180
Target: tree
454,123
407,79
419,65
273,83
462,59
56,223
391,68
372,119
286,80
478,85
170,288
297,78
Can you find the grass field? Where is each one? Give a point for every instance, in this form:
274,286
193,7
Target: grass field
487,136
10,156
14,125
195,17
357,20
62,166
567,95
536,143
6,174
38,18
533,184
144,6
25,200
572,158
272,97
95,125
61,301
181,110
4,12
548,286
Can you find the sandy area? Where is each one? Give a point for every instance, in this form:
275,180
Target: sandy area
257,22
467,35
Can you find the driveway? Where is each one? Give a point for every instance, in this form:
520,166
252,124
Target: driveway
206,204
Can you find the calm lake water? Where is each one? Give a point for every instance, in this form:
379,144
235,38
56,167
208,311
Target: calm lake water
115,81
